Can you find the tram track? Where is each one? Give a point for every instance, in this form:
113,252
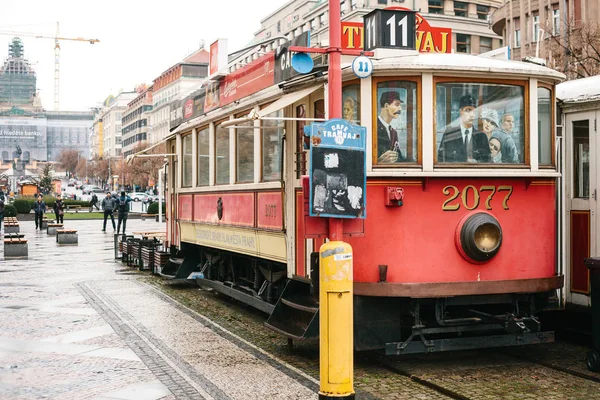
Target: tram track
387,365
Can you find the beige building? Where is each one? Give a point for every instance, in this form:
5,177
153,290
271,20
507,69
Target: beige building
135,121
106,129
471,31
524,23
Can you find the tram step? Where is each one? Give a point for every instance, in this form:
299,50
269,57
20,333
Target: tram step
296,313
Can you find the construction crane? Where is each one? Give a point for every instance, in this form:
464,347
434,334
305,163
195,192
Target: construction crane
57,40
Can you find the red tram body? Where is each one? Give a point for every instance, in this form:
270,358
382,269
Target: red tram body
453,253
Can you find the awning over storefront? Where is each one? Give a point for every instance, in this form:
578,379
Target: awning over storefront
283,102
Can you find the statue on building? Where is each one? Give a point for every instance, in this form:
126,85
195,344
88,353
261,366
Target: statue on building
19,152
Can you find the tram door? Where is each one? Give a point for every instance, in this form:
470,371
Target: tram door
582,194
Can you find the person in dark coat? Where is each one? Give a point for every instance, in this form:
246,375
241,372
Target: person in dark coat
464,143
39,208
59,210
94,203
123,207
1,211
108,205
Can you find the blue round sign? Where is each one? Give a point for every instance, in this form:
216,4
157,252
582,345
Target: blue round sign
362,66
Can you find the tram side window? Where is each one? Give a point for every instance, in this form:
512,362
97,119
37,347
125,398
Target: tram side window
397,129
186,178
203,157
272,130
351,103
479,123
244,134
545,135
222,155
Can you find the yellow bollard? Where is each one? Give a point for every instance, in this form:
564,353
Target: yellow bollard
336,321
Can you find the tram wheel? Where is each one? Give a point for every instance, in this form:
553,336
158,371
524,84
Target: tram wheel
593,360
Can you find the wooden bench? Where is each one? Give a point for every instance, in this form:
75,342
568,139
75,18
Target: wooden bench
66,236
53,227
75,207
11,227
153,216
15,247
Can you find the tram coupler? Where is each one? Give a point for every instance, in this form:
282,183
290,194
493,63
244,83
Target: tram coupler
522,325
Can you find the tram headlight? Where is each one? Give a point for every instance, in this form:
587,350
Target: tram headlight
479,237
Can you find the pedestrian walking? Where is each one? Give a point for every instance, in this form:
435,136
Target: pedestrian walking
108,205
59,210
94,202
1,212
39,208
123,207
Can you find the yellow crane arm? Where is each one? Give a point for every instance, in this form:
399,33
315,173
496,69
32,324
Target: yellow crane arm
79,39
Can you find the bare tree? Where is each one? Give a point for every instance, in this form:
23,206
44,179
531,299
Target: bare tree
68,159
144,169
576,54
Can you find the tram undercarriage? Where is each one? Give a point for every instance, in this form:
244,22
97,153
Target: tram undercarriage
398,325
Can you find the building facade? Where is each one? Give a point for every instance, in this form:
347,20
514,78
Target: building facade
173,85
530,26
135,122
108,124
68,130
467,19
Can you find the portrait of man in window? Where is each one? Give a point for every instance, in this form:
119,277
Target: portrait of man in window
388,146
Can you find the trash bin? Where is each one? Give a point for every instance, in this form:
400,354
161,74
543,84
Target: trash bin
593,356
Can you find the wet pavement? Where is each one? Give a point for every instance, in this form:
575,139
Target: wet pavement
75,324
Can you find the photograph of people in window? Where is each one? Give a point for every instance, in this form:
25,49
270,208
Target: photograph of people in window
350,110
396,128
484,131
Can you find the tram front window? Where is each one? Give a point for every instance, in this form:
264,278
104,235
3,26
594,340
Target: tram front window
479,123
396,123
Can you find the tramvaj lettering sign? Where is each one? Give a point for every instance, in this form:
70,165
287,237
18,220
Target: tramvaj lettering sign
337,170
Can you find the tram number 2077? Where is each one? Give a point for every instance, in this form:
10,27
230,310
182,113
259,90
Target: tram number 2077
471,196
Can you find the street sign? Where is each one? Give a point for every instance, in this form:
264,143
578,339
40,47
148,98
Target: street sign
392,29
338,184
362,66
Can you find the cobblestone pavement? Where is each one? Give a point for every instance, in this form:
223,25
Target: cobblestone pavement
76,324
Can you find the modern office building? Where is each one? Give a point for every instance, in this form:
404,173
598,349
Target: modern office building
135,121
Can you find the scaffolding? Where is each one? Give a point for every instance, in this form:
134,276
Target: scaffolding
17,78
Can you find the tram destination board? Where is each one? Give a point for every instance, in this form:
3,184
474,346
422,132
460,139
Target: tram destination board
337,170
390,29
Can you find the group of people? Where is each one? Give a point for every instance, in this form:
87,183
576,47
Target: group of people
465,143
110,204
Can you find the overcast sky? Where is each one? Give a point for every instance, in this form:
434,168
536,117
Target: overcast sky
138,41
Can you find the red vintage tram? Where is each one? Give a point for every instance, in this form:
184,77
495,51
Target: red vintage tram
459,247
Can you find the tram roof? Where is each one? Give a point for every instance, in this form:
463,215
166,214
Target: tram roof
579,90
464,63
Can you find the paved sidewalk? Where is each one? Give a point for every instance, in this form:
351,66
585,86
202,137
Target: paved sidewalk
74,325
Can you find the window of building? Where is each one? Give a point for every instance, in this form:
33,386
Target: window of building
203,157
222,155
396,123
495,112
536,28
244,134
485,44
353,4
463,43
323,19
460,9
482,11
436,6
556,22
517,32
545,137
271,133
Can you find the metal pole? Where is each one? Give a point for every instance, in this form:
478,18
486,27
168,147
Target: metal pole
160,180
336,227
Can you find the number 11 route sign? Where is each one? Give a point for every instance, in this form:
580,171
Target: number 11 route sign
390,29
